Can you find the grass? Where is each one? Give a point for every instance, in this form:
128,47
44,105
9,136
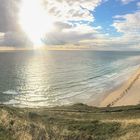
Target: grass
76,122
5,134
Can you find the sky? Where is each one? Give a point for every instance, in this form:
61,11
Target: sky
85,24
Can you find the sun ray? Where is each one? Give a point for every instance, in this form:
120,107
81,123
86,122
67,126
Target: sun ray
34,20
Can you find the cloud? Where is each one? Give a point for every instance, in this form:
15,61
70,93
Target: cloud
71,22
127,1
8,15
1,35
129,26
129,39
138,4
65,10
71,33
81,32
10,31
14,39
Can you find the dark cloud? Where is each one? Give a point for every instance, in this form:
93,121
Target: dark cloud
9,10
9,15
61,38
15,39
61,25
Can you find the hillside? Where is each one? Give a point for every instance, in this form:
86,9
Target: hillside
76,122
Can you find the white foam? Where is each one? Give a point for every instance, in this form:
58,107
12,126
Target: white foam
10,92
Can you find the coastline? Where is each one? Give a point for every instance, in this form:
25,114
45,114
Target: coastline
126,94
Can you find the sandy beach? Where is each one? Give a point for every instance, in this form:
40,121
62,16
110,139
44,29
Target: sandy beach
127,94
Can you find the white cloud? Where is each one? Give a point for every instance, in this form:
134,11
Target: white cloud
70,34
91,37
129,26
138,4
127,1
72,25
71,9
72,20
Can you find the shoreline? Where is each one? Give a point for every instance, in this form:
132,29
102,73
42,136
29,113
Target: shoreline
119,97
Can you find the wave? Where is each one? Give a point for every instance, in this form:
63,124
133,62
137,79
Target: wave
10,92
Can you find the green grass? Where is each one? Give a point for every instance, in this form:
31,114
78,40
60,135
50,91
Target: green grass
5,134
76,122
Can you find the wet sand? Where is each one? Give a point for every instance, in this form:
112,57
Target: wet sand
127,94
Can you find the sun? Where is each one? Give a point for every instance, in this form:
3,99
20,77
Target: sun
35,21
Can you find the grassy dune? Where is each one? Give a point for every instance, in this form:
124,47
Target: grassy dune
77,122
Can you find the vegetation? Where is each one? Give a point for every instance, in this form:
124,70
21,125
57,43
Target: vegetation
76,122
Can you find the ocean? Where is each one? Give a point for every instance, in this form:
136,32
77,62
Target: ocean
53,78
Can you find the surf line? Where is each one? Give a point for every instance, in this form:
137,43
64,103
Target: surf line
126,89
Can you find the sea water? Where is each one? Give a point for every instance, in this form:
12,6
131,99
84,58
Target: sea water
52,78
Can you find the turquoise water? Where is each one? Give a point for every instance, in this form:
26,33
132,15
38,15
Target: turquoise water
50,78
